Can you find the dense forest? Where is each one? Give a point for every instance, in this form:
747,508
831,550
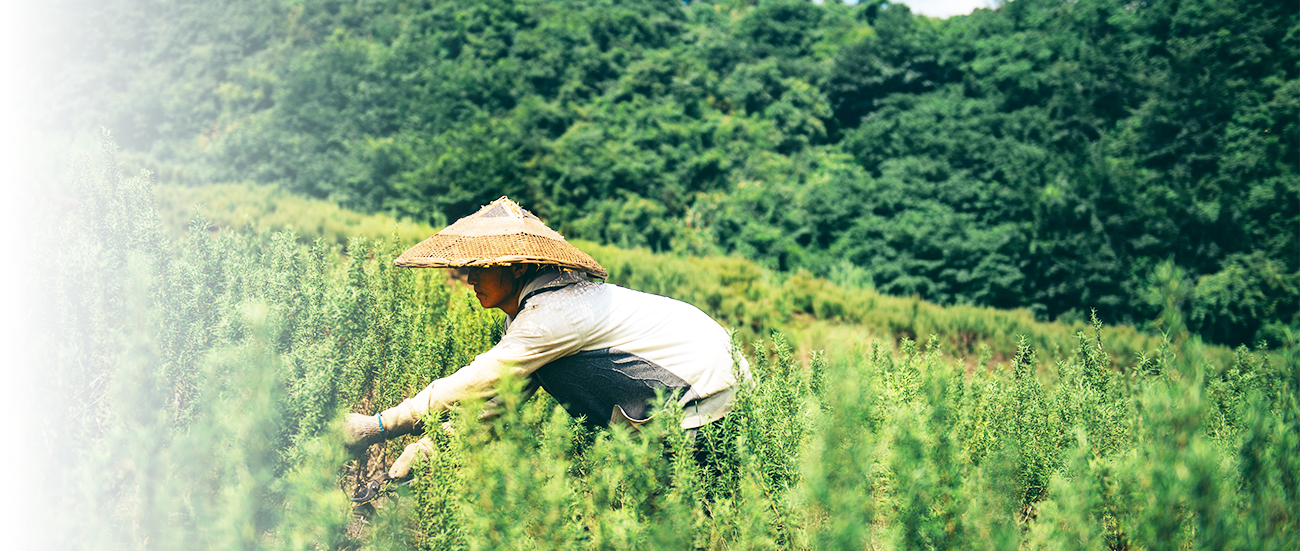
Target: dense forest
1139,158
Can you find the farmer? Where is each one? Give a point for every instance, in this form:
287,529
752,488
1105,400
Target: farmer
601,350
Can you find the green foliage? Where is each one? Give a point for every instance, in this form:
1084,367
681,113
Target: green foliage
838,318
753,300
201,381
1236,304
1043,155
196,384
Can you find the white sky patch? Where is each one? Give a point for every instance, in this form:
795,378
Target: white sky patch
945,8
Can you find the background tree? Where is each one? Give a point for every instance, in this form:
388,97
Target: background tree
1045,154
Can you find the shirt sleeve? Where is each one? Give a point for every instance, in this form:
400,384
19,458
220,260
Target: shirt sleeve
536,337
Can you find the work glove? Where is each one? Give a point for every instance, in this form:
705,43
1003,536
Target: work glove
402,467
360,431
397,474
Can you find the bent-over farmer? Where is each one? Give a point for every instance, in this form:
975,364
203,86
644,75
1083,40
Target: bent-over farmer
601,350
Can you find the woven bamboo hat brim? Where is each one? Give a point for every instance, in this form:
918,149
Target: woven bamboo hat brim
500,233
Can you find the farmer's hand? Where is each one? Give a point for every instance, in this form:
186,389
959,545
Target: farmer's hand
402,467
360,431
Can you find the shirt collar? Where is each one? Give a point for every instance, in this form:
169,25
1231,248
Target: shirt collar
548,279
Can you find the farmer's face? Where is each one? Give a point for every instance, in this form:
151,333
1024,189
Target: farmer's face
496,287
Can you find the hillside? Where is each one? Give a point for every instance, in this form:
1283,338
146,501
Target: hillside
1139,159
839,318
189,390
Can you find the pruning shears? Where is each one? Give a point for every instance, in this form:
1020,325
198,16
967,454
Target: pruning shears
376,486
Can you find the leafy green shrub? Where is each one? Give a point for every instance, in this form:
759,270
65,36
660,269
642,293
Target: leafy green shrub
755,301
193,394
1235,304
813,312
1043,155
215,370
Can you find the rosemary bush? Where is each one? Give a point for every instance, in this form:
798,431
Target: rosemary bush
193,388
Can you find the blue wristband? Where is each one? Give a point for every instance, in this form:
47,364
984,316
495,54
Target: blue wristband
380,416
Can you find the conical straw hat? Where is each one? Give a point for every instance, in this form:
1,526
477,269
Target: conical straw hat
500,233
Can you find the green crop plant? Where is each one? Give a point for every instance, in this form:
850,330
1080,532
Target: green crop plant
194,383
193,386
814,313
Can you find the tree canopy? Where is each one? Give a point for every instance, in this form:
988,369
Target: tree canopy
1131,157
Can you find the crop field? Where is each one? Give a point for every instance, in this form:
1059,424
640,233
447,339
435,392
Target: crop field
1022,278
198,383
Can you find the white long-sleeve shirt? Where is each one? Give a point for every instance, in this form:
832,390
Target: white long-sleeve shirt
597,345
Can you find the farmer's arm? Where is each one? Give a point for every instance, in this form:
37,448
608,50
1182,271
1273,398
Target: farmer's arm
536,338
